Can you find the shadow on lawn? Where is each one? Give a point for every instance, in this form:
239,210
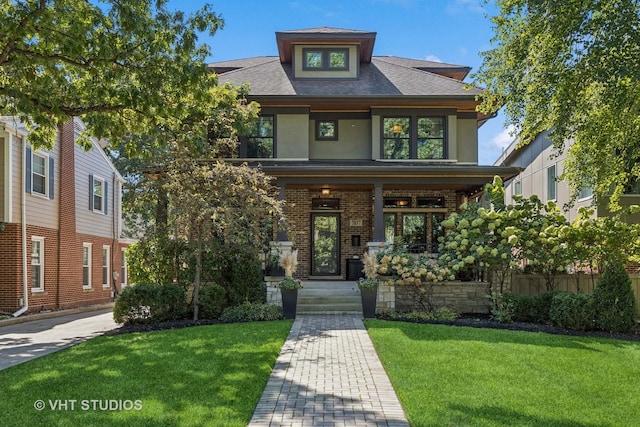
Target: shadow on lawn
191,376
495,415
433,331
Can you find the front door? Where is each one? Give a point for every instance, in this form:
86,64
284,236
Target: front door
325,244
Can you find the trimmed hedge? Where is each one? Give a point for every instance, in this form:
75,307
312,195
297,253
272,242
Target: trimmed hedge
150,303
251,312
530,308
573,311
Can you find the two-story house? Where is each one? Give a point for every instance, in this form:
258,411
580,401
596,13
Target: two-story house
541,167
60,224
364,148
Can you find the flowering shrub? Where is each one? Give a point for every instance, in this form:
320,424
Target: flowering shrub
421,272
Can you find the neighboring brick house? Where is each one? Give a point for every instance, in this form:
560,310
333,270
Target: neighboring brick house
540,168
60,223
363,148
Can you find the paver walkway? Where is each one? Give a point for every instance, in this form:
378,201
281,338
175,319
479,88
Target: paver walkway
328,374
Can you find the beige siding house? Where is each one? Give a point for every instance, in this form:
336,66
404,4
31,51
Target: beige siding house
60,226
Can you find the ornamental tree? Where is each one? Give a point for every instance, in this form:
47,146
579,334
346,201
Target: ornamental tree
571,68
121,66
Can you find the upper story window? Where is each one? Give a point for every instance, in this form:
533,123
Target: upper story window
261,141
98,194
39,174
551,183
325,59
413,137
327,130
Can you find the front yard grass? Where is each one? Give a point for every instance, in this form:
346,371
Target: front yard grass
460,376
199,376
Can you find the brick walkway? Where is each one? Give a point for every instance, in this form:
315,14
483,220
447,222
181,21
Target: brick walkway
328,374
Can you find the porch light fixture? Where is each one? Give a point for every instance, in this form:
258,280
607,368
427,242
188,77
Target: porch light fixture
2,226
326,191
397,128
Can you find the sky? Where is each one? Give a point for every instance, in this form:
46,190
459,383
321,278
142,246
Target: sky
450,31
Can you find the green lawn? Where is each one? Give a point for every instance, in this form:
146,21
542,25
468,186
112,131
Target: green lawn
200,376
456,376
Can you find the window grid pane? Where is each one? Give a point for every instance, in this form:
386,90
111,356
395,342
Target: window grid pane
39,175
260,142
396,144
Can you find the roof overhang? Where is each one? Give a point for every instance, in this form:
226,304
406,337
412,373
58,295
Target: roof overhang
466,178
286,39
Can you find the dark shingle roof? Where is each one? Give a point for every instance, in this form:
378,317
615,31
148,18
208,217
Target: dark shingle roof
384,76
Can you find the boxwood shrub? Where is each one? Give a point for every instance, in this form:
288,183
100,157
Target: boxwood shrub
150,303
573,311
251,312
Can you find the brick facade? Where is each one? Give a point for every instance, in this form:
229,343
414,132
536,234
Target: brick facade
62,285
356,218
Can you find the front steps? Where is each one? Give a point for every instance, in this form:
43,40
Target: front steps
325,296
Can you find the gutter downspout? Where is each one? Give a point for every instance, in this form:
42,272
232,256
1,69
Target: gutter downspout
23,220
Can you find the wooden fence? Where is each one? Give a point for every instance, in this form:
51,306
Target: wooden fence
533,284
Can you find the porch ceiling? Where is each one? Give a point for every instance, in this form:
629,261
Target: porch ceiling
396,174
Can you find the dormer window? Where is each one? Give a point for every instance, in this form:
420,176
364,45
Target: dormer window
325,59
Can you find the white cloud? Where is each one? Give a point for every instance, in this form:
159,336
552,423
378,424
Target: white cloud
433,58
504,138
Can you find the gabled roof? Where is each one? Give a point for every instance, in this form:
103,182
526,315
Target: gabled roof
383,76
326,35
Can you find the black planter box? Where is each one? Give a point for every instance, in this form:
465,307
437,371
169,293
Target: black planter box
289,303
369,297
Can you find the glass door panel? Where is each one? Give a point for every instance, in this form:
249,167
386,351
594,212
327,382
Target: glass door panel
325,244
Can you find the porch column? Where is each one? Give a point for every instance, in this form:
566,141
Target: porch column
378,215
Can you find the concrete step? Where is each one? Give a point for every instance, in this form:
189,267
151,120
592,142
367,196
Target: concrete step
329,297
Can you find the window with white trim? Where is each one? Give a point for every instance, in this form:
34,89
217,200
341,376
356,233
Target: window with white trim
585,193
37,263
86,265
551,182
517,188
98,194
39,173
123,268
106,266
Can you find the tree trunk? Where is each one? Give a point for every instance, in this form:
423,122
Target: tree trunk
196,280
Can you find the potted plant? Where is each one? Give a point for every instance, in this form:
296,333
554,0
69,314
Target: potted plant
369,285
289,286
272,267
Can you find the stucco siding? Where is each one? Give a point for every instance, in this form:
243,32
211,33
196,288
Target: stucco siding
293,136
467,141
353,141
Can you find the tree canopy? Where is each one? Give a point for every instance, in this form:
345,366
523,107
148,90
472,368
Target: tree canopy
571,68
121,66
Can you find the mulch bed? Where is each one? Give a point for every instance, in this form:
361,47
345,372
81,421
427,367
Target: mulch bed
471,320
485,321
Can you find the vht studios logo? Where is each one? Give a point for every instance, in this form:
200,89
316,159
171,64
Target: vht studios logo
88,405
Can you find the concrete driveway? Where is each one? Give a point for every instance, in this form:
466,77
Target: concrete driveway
25,341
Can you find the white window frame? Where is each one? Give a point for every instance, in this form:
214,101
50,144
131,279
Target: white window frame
40,265
124,271
552,183
101,181
88,247
45,158
517,188
582,194
106,266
